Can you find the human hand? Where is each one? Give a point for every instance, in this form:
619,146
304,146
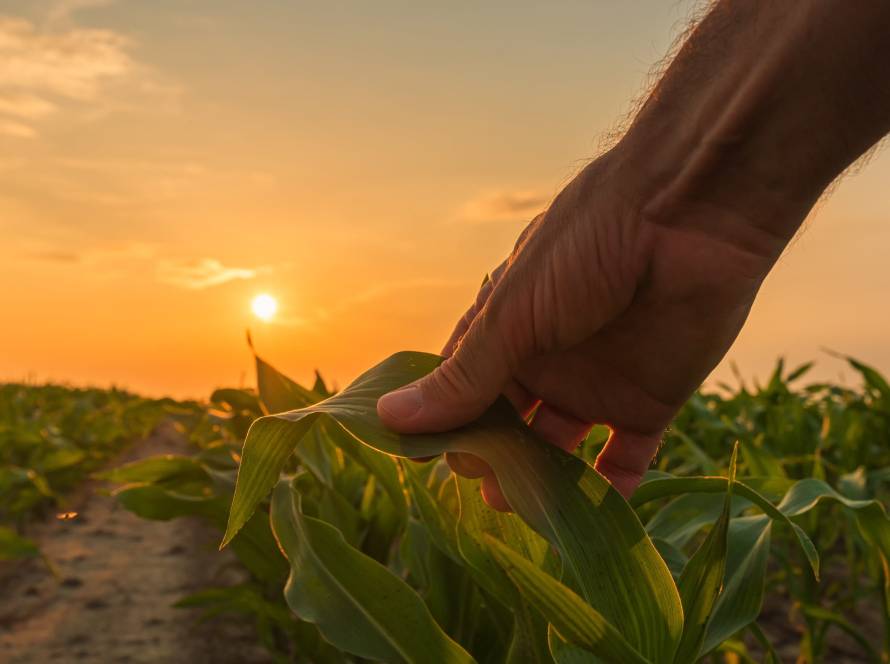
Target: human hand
619,300
599,315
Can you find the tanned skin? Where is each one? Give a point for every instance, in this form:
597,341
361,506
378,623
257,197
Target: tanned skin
619,300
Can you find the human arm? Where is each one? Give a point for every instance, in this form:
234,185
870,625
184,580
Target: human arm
621,298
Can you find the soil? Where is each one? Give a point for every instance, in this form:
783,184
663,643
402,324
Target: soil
783,624
117,578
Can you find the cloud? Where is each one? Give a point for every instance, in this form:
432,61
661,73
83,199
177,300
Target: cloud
202,273
70,63
16,129
504,205
64,9
51,65
146,260
125,254
25,106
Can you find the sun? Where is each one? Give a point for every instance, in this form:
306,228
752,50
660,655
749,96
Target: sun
264,306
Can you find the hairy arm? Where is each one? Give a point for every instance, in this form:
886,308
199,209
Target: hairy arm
765,104
621,298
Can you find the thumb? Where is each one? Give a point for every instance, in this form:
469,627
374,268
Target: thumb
460,389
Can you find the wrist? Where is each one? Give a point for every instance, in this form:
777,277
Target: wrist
755,118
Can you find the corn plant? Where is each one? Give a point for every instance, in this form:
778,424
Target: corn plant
391,560
51,438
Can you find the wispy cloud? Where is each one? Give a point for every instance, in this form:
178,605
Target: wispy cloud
62,10
127,254
135,258
48,63
203,273
504,205
72,62
26,106
16,129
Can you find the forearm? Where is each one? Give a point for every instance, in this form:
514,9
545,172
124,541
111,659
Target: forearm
765,104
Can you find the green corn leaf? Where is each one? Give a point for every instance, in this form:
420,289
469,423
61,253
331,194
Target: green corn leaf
759,461
798,372
277,392
603,547
357,604
772,657
382,466
870,514
236,400
477,520
681,519
701,458
441,523
334,509
414,553
528,640
702,579
14,547
873,379
836,619
320,387
675,558
61,459
320,455
155,469
743,587
671,486
575,620
440,516
563,652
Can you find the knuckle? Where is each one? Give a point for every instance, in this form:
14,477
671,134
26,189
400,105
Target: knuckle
452,380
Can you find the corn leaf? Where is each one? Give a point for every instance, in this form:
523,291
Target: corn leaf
180,469
702,579
14,547
870,514
836,619
320,446
680,520
743,586
604,550
528,641
357,604
575,620
277,392
476,522
671,486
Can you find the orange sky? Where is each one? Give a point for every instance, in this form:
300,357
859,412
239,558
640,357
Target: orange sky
366,163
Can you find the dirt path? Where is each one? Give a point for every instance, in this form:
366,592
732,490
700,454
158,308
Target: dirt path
118,578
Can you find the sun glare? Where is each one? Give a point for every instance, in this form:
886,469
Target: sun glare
264,306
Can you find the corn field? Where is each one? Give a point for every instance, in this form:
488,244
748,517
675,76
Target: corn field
359,546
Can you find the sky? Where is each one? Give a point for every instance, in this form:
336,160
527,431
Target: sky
163,162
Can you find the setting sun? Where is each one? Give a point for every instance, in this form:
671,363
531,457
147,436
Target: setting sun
264,306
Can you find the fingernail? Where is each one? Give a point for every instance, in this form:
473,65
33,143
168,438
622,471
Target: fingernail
402,404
